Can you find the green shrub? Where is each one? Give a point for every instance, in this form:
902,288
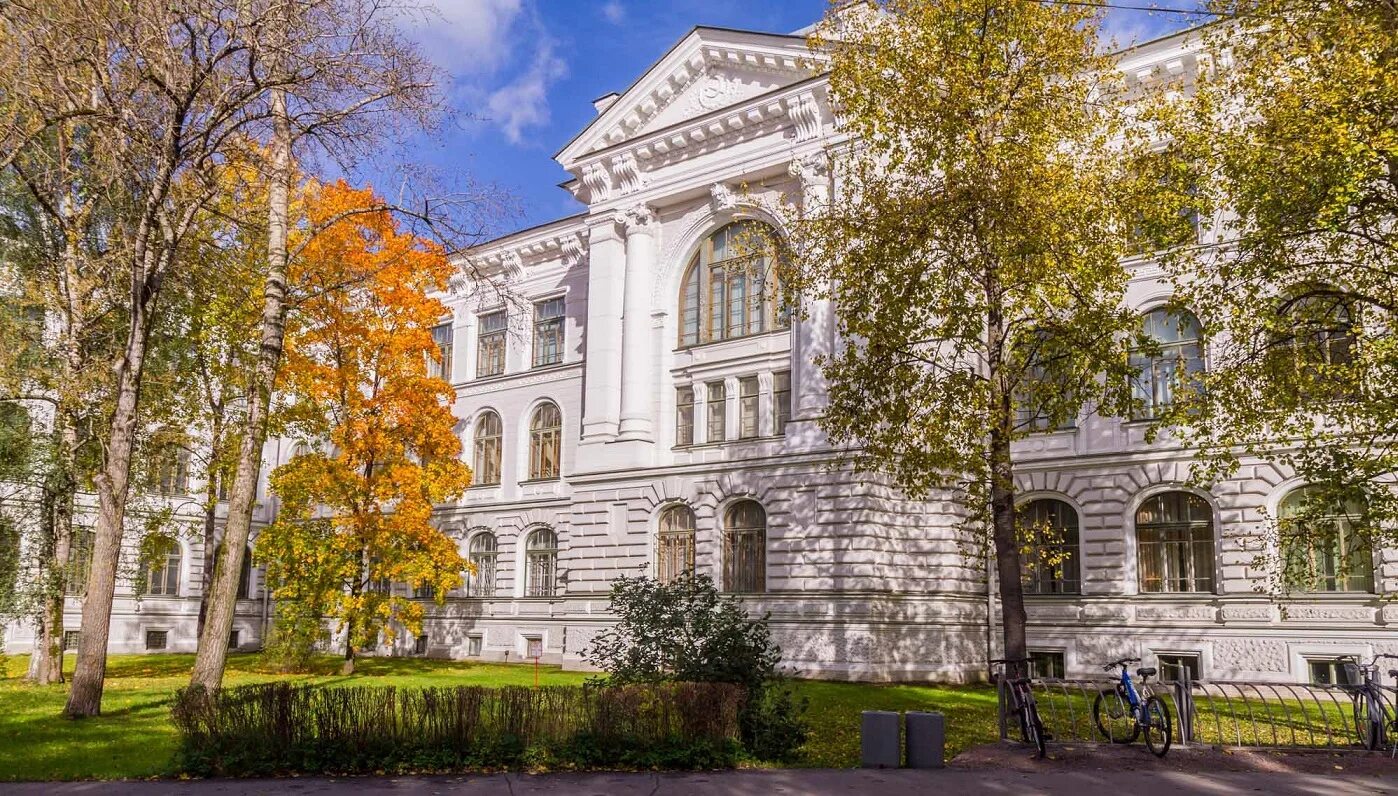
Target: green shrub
282,728
684,630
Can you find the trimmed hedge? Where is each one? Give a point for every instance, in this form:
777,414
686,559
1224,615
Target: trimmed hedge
281,728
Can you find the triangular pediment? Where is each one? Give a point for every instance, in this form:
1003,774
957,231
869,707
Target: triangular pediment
709,69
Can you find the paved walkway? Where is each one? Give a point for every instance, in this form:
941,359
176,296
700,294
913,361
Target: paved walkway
768,783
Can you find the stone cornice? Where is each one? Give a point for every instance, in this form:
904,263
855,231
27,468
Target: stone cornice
623,169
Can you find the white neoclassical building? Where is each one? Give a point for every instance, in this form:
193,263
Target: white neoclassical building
638,404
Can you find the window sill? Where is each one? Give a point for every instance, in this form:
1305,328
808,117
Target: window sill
557,479
483,487
738,441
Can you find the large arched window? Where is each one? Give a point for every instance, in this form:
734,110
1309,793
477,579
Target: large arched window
1320,548
163,576
1175,543
730,286
745,548
1315,337
486,461
541,563
545,442
674,545
1049,530
1173,366
483,551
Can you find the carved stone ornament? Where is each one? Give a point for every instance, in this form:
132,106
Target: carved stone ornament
715,91
813,169
638,218
572,248
723,198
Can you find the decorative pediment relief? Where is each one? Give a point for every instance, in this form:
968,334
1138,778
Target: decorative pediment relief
708,70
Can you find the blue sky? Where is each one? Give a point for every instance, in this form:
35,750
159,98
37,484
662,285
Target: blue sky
525,72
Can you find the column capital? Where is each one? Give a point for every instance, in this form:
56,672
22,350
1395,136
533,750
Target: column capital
637,219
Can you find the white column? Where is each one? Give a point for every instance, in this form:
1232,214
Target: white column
637,382
815,333
605,279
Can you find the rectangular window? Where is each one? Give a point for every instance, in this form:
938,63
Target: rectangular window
439,364
1175,667
420,645
533,647
1328,671
718,410
747,407
1046,663
548,332
70,640
234,636
424,591
490,345
473,645
684,415
781,401
157,639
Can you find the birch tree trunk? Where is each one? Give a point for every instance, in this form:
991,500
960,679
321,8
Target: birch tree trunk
213,641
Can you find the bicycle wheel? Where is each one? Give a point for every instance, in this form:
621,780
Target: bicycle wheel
1368,727
1034,730
1159,728
1113,717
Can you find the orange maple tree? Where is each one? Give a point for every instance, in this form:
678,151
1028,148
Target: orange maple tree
356,513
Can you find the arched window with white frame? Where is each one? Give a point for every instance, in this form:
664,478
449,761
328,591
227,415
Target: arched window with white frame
745,548
1172,364
1321,547
486,445
1049,534
541,563
729,288
163,570
674,544
1175,543
545,442
483,552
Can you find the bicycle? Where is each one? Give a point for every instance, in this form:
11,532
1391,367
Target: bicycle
1373,719
1030,727
1122,704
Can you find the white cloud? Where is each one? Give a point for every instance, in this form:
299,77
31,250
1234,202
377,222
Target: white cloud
466,37
523,102
614,11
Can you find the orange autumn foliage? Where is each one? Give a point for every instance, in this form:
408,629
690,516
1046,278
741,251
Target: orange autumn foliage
356,513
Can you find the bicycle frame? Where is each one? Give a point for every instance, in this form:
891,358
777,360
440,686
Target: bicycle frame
1133,698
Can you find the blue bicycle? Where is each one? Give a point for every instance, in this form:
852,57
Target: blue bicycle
1122,716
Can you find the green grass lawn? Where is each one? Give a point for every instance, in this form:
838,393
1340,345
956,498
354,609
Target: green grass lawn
134,738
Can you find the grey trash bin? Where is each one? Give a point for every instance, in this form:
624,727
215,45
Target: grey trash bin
927,740
879,738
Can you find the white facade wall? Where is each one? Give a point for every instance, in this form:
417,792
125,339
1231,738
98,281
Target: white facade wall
860,581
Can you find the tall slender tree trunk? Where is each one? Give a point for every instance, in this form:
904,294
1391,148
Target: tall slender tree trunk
213,641
210,518
113,482
60,515
1002,490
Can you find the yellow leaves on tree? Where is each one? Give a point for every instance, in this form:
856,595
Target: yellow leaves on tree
357,507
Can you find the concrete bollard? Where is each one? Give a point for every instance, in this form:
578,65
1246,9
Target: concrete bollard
879,738
927,740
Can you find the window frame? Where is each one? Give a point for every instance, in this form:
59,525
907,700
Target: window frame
781,402
487,449
159,576
485,581
715,409
1338,581
676,526
1031,565
749,407
1157,551
1158,377
492,345
711,290
542,439
744,549
684,415
440,365
549,333
541,563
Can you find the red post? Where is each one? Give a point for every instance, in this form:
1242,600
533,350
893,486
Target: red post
536,672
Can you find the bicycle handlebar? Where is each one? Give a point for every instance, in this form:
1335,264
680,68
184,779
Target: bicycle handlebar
1108,667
